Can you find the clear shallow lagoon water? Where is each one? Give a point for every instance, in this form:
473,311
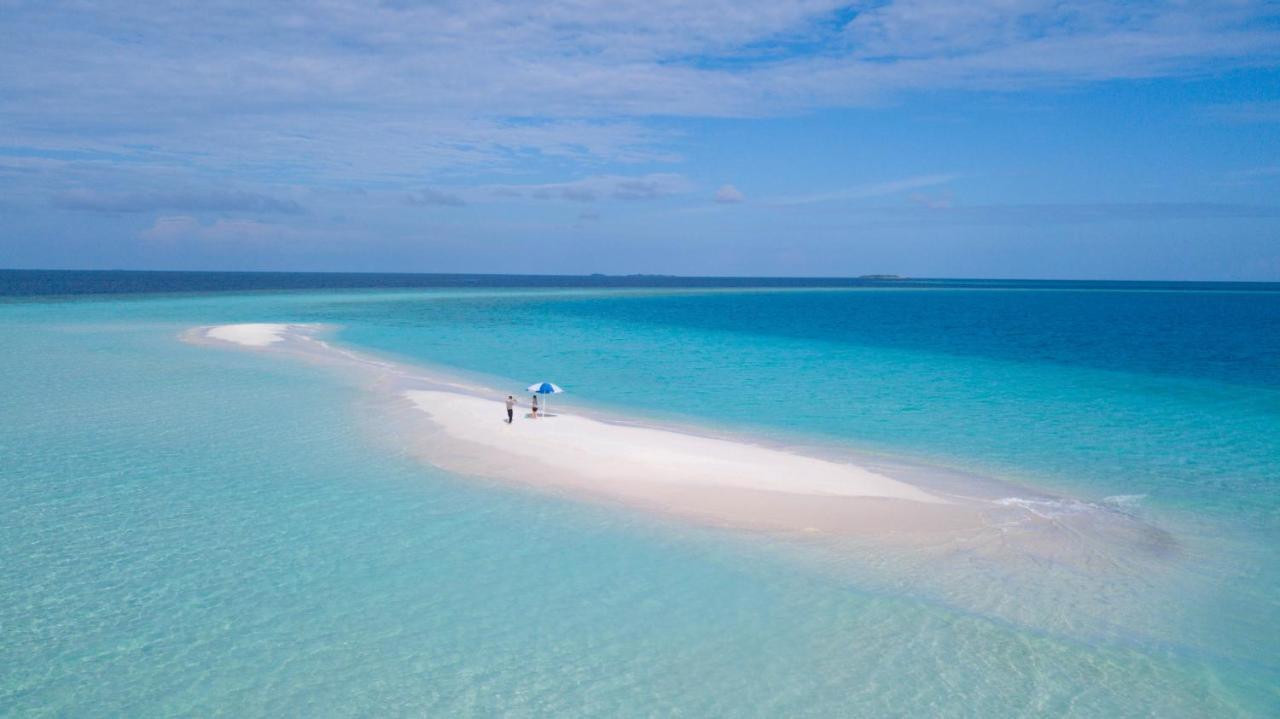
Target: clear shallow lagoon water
194,531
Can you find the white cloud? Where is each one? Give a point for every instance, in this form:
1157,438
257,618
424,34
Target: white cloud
729,195
174,228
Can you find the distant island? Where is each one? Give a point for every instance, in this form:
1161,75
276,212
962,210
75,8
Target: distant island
601,274
644,275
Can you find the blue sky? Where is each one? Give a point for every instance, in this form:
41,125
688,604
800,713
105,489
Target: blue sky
991,138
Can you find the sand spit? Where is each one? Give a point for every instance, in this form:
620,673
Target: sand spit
612,453
746,483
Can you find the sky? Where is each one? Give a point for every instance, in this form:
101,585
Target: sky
927,138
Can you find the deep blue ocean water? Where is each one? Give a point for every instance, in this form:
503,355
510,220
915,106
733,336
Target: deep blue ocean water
190,530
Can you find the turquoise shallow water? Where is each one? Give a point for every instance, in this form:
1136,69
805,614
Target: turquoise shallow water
198,531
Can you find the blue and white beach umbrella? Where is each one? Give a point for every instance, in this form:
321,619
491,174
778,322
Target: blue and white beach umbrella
544,388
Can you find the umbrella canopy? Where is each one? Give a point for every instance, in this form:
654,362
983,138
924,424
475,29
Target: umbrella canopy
544,388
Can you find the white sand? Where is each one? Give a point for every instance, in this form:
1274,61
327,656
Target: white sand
608,453
250,334
460,426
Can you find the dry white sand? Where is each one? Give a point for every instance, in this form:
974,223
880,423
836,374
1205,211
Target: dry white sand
613,453
258,334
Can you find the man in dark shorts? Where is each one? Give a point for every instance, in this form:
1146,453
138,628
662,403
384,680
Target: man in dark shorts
511,409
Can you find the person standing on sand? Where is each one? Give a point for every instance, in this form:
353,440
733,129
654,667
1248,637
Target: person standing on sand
511,409
535,406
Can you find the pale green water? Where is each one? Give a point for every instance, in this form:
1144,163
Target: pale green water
191,531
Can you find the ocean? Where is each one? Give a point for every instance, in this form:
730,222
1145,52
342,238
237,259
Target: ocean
190,530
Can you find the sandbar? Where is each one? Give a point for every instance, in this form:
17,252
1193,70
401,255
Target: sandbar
610,452
731,480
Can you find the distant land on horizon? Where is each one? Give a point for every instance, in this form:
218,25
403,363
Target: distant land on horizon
28,283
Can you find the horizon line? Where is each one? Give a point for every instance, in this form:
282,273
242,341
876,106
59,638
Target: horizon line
868,277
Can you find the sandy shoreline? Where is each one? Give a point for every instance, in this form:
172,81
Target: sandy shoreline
461,427
592,449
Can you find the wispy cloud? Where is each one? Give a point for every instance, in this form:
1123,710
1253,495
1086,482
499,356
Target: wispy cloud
604,187
173,228
933,201
430,197
1253,173
1110,211
1042,214
869,190
192,201
1246,112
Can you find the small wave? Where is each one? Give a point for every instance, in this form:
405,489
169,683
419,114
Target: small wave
1124,500
1054,509
1046,508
